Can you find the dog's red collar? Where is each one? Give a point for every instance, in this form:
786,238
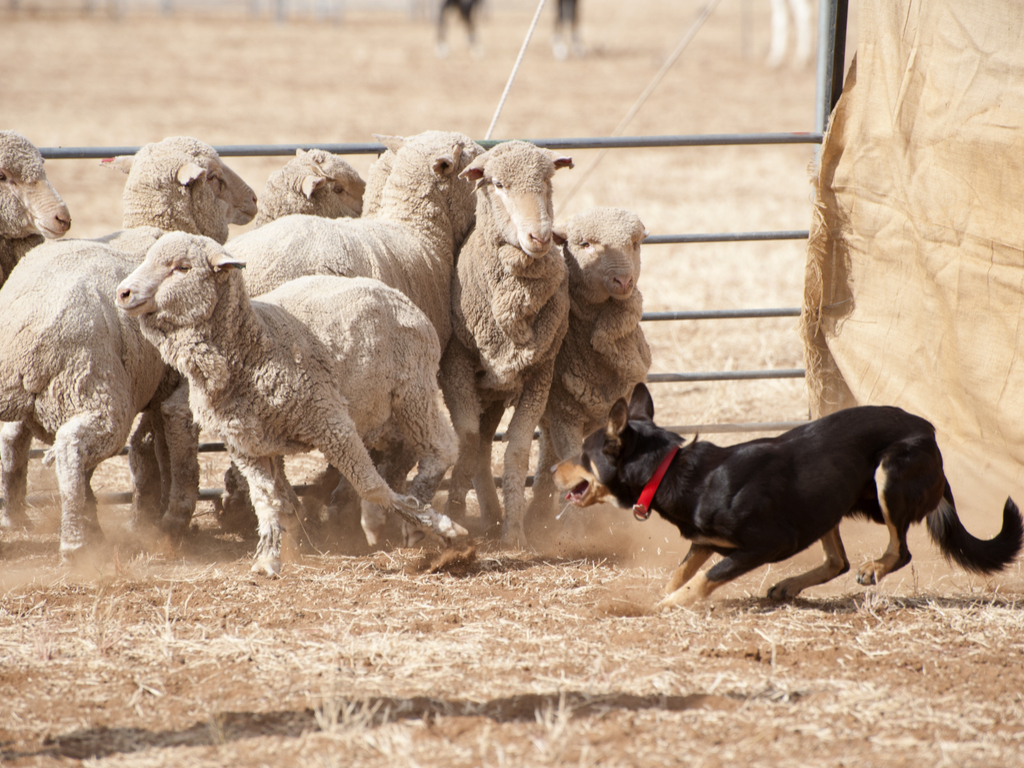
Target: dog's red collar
642,508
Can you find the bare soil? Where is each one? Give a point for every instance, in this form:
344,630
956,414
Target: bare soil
149,654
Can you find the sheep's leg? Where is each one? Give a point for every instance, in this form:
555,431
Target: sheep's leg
401,458
458,384
557,442
15,443
527,415
147,463
263,488
342,513
235,511
181,436
427,440
79,445
483,477
541,510
291,512
342,446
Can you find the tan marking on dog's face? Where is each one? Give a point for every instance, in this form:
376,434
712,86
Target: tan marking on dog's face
582,486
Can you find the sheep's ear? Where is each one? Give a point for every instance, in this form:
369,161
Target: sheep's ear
475,170
560,161
641,405
189,172
394,143
221,260
646,233
121,163
444,165
311,184
559,235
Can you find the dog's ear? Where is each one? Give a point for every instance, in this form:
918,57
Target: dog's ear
617,420
641,406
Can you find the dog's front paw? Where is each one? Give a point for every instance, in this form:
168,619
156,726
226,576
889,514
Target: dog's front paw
870,573
784,590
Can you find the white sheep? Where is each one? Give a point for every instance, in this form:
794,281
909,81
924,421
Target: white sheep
604,353
324,363
316,183
30,208
510,309
75,372
408,240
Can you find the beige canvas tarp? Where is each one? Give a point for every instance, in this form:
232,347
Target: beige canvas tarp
915,270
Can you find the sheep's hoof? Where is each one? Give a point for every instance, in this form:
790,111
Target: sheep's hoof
268,566
175,526
514,537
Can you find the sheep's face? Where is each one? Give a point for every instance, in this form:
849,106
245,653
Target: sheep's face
602,252
176,284
323,184
182,184
29,205
514,180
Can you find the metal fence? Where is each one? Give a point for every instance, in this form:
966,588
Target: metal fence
831,56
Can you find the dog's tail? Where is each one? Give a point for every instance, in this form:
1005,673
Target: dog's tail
971,554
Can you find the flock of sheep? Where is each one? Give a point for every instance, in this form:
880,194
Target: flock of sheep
389,324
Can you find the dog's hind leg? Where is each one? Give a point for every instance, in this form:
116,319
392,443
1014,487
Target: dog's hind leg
835,564
897,517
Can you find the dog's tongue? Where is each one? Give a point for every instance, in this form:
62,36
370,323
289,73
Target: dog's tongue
577,492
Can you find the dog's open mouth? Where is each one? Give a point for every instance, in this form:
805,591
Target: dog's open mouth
578,492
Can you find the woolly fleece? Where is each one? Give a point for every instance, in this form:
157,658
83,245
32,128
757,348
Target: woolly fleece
409,243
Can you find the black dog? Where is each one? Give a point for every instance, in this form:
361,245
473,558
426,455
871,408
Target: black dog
765,500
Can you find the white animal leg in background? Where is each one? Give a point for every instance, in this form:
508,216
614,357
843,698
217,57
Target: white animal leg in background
802,21
780,33
79,445
15,442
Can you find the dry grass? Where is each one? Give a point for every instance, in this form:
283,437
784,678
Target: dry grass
150,656
520,660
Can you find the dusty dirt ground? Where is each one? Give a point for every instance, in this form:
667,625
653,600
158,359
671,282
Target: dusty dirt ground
150,655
